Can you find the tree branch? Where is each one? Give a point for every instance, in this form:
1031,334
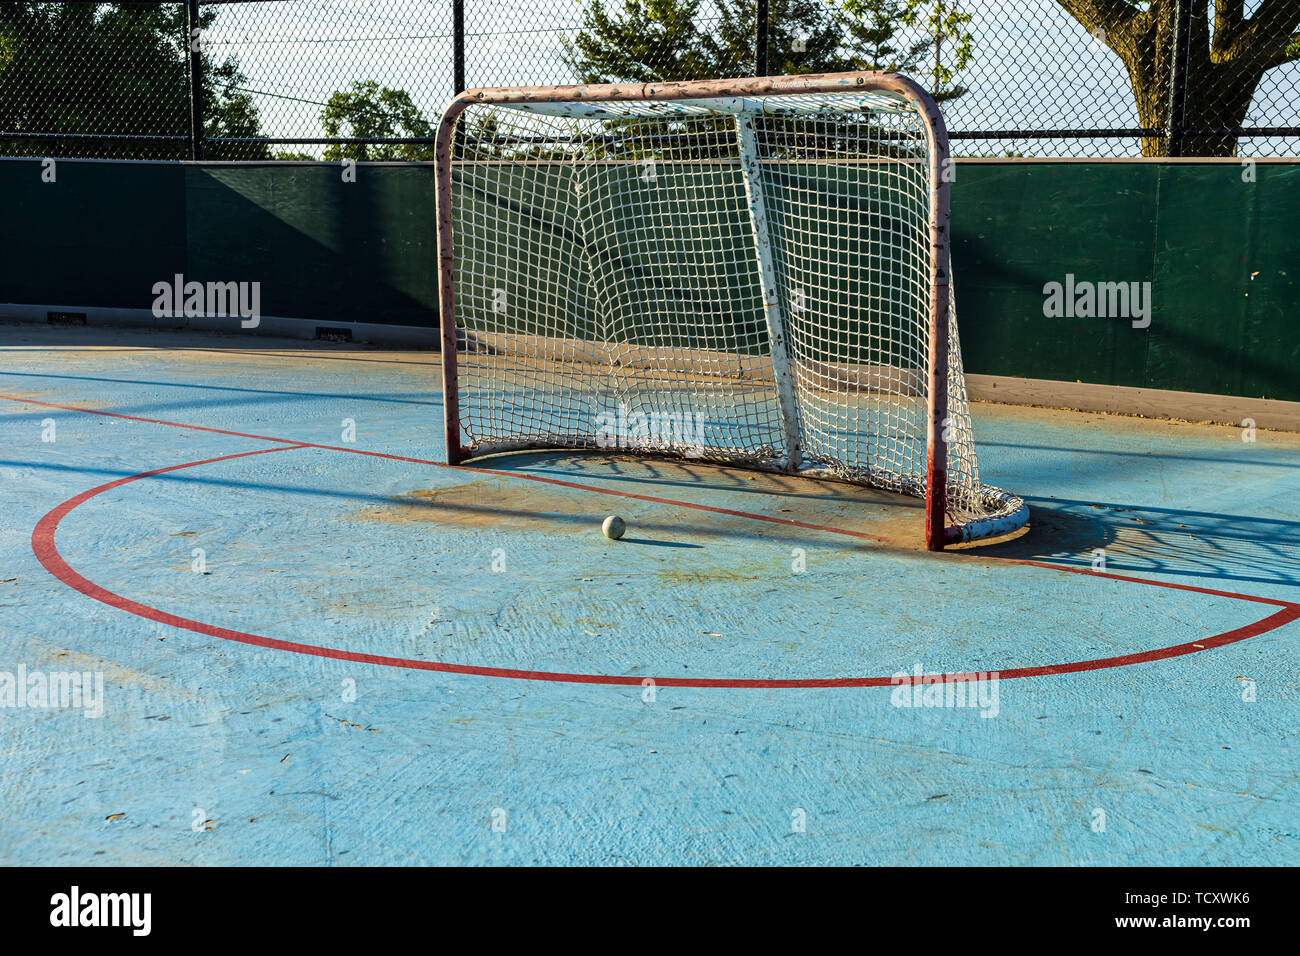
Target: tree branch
1277,13
1289,53
1110,16
1227,18
1265,36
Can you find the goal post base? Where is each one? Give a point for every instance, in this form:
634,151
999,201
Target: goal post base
982,529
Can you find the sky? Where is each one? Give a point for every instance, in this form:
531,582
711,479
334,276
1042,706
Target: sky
1034,67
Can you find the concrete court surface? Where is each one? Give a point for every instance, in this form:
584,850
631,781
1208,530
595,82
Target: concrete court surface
319,646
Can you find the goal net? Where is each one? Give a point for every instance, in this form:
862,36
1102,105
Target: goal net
743,271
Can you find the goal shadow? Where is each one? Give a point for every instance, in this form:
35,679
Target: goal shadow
1135,539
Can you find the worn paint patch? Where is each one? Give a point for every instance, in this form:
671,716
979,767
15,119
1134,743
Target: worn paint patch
489,503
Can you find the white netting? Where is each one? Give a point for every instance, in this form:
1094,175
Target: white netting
609,271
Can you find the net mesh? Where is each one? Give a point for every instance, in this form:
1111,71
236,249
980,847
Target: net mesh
733,280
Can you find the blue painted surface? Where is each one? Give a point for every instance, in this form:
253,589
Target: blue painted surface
395,558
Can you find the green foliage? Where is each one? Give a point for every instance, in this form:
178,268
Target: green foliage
943,23
647,41
642,43
804,36
112,68
664,40
369,111
874,27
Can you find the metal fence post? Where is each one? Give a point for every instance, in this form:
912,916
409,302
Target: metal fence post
196,79
458,45
760,39
1180,45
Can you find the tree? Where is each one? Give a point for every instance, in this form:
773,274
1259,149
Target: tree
648,42
876,27
942,21
112,68
1227,57
803,36
663,40
666,40
369,111
229,111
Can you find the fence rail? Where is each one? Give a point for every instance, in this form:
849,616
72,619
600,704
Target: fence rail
367,79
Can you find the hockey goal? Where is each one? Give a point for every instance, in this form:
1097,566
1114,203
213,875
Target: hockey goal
751,271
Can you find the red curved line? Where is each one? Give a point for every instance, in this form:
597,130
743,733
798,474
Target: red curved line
43,546
289,442
147,421
788,522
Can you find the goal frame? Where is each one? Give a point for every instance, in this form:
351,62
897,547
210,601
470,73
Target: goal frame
936,480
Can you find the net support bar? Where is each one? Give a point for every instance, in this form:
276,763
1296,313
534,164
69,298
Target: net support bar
767,282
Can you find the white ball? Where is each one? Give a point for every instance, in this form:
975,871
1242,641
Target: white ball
613,527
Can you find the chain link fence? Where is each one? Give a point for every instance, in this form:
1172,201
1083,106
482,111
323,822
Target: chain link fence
367,79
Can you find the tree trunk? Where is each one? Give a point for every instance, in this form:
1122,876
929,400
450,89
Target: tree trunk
1223,69
1146,47
1218,97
